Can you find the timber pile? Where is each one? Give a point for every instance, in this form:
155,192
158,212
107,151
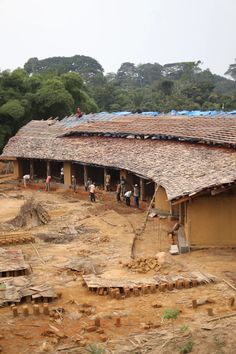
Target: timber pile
143,265
12,263
15,290
15,238
31,213
118,288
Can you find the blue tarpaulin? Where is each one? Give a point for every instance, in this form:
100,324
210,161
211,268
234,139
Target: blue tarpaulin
154,114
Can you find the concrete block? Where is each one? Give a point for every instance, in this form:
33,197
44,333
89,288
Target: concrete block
45,309
91,329
103,338
210,311
118,322
14,311
153,288
97,322
25,310
231,301
36,311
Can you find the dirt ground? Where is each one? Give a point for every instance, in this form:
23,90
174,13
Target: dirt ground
98,238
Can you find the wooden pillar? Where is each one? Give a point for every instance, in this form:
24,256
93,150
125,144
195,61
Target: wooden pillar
85,174
67,172
31,169
105,173
142,189
123,173
48,168
17,168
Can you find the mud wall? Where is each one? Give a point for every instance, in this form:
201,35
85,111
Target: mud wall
161,200
211,221
67,172
17,169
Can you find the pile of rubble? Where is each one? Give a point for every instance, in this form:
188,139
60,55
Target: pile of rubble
143,265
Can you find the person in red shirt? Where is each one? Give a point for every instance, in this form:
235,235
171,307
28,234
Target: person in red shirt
47,184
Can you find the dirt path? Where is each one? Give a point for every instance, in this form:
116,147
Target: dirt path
102,234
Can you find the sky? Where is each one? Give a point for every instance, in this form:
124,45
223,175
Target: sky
117,31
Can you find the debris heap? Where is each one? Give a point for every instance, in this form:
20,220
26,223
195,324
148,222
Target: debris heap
144,265
31,214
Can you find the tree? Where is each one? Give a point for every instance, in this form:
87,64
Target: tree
52,99
232,70
166,86
12,109
74,85
147,73
87,67
127,74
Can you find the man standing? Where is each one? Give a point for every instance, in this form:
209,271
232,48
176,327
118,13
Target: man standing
88,184
107,182
74,183
62,175
122,185
127,197
136,196
92,192
118,189
47,184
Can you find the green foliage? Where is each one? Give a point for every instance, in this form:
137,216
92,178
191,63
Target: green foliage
12,109
232,70
219,344
184,328
94,349
186,347
57,86
86,66
171,314
39,96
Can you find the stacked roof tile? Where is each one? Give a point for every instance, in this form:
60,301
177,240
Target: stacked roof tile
217,131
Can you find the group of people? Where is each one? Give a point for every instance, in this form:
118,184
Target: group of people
123,194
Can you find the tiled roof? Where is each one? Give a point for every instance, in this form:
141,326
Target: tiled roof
181,168
216,131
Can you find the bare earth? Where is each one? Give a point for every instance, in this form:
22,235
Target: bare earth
100,236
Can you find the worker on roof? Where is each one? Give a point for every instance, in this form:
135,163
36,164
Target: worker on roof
79,113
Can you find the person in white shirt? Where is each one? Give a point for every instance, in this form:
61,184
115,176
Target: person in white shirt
62,175
127,197
92,189
25,179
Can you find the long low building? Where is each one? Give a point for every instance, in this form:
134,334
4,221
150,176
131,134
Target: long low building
189,163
